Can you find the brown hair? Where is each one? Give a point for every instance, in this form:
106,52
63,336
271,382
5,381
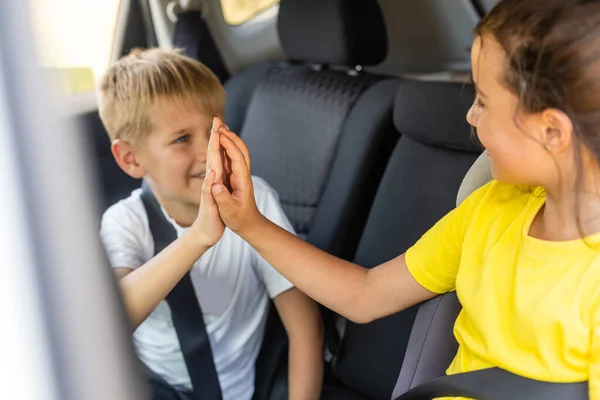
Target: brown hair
133,85
553,51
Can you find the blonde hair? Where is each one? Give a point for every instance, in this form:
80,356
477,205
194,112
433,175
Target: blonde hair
133,85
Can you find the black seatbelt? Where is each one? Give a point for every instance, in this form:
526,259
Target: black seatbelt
192,34
185,310
496,384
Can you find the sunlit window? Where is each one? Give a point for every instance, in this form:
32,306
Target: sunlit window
239,11
74,39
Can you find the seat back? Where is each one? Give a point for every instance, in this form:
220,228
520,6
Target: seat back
429,36
418,188
114,184
432,345
318,127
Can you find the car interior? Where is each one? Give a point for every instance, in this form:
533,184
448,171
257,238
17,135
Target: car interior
354,111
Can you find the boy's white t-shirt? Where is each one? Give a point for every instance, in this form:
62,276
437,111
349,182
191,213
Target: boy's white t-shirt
233,285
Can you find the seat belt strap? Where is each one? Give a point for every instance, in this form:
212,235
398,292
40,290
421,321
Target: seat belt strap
192,34
185,310
496,384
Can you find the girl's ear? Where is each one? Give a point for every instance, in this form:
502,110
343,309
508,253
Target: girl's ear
556,130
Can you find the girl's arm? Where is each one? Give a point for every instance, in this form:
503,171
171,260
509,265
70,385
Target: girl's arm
359,294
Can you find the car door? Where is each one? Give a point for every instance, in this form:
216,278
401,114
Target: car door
64,334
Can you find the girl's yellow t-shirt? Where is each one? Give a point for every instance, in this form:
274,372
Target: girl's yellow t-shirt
531,307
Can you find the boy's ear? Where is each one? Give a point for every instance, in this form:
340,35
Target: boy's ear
126,158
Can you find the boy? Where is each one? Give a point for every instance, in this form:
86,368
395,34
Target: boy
158,108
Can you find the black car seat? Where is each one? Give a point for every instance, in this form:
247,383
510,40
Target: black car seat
419,187
318,127
114,184
432,345
484,6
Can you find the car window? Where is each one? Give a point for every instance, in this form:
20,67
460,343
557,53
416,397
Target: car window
74,40
237,12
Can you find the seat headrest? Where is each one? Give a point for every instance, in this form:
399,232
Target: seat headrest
333,32
479,174
435,113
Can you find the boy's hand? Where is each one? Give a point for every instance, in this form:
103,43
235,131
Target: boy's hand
208,225
238,208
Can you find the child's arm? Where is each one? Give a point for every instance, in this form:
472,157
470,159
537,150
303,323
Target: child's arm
143,288
302,320
146,286
359,294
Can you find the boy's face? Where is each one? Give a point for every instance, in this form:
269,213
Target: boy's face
174,154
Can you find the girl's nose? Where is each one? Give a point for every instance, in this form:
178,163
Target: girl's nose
472,117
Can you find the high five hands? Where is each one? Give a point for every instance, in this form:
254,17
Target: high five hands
232,188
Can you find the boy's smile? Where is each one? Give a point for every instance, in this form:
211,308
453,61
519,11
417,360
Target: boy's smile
174,154
199,176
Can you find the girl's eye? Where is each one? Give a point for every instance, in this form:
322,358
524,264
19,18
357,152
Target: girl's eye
479,103
182,139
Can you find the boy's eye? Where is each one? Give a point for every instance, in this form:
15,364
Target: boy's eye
182,139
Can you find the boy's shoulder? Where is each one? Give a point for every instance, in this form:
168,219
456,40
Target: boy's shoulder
263,192
262,188
129,211
267,202
125,232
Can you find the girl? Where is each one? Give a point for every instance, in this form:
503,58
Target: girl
523,251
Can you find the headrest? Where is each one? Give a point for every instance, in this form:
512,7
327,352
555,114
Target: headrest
435,113
333,32
479,174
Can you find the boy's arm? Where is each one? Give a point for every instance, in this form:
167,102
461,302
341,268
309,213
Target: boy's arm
302,321
359,294
144,287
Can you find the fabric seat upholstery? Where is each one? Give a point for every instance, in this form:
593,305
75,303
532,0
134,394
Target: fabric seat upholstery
419,187
320,130
432,345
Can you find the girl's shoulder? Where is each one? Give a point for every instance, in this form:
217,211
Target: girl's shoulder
498,201
495,194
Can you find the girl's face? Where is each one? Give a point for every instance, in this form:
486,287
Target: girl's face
513,139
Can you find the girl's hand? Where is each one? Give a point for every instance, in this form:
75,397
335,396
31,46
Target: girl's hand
237,208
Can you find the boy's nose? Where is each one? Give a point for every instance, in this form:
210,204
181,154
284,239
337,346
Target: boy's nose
201,158
201,151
